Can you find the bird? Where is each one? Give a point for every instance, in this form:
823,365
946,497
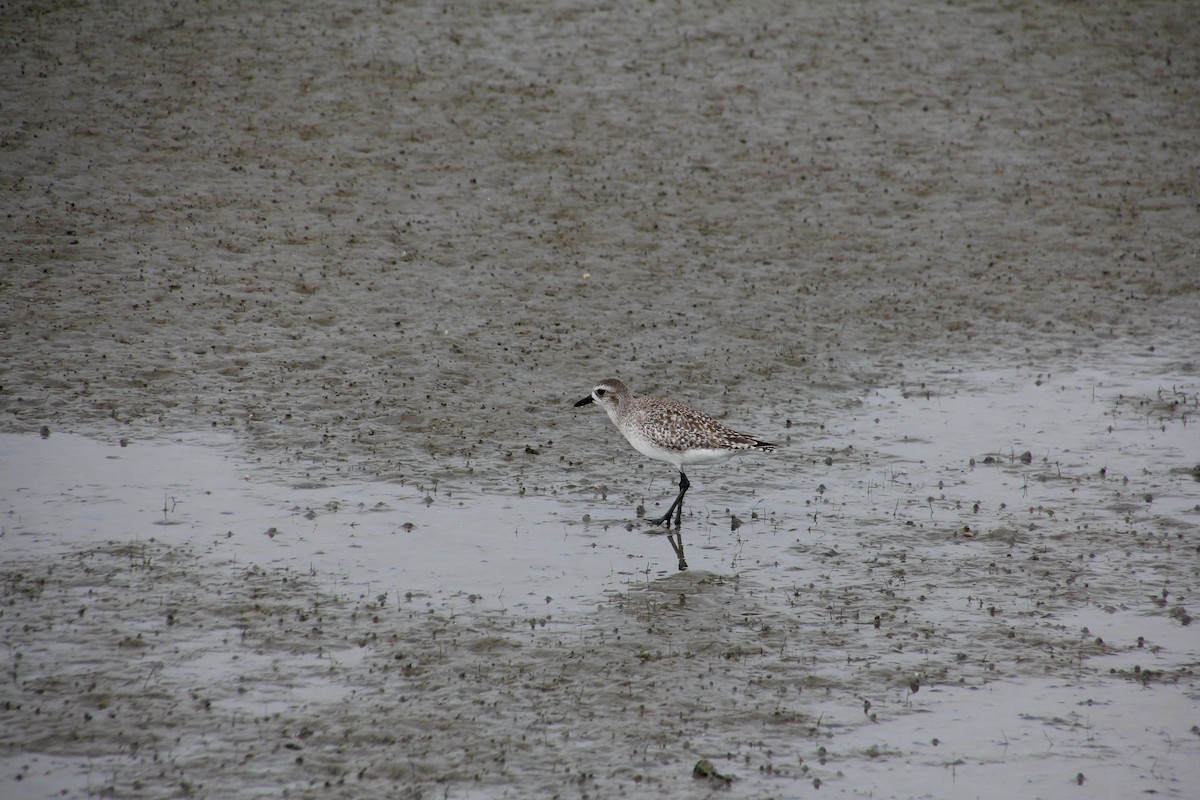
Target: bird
669,431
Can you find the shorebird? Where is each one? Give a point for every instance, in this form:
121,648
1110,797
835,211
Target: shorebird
669,431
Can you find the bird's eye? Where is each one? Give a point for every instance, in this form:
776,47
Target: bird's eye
601,392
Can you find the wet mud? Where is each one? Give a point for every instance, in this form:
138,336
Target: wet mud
302,295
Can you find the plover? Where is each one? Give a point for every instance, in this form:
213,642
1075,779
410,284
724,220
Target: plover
669,431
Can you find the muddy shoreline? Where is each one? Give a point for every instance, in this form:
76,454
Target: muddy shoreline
396,247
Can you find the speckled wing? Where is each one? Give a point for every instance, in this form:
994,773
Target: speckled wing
674,426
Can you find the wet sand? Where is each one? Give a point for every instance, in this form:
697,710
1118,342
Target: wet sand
359,261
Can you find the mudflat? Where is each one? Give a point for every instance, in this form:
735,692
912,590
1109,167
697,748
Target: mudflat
303,293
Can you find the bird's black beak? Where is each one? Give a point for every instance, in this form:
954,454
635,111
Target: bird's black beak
584,401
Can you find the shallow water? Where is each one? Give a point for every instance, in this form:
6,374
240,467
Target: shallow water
913,625
355,539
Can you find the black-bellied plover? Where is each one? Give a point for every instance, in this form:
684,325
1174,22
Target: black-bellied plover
669,431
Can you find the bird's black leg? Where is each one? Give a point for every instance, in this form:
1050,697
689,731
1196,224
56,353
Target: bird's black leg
677,506
684,485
